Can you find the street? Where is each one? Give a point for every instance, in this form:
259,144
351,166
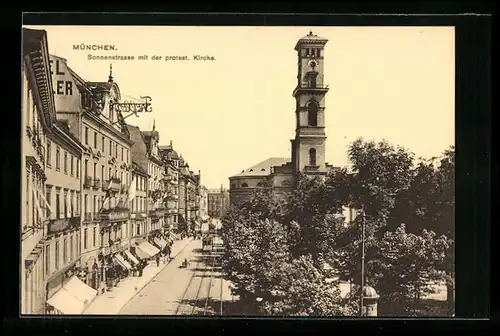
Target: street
198,289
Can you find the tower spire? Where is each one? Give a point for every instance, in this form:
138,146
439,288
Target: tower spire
154,124
110,78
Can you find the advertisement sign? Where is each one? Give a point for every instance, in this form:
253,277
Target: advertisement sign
66,94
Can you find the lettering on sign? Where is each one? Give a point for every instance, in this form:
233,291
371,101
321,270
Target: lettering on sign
63,87
66,94
133,108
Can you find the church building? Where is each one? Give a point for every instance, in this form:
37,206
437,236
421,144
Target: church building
308,147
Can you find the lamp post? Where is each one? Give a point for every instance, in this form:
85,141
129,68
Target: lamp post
362,261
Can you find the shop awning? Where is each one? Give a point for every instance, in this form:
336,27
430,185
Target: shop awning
160,242
147,250
152,248
122,262
142,253
80,290
66,303
73,297
131,257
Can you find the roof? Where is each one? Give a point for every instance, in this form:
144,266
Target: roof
138,168
311,39
263,168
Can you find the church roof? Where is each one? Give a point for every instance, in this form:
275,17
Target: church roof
310,39
263,168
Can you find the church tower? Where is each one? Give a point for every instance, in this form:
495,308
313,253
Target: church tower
308,147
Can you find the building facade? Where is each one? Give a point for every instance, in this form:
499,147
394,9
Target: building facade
171,161
106,173
218,202
308,146
156,186
203,197
138,205
63,194
38,114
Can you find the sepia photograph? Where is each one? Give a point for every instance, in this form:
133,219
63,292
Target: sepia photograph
284,171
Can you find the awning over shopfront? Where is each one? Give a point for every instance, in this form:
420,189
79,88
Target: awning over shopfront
66,303
145,250
73,297
131,257
122,262
160,242
152,248
80,290
173,236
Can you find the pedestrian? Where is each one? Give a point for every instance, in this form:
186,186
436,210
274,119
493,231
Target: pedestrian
157,260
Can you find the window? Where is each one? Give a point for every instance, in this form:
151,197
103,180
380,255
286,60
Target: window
49,152
109,174
95,140
65,251
127,155
65,162
58,159
57,255
103,141
71,246
47,259
244,185
95,170
86,203
71,204
85,233
72,163
138,229
259,184
312,157
47,197
58,205
94,203
312,114
122,153
110,148
78,202
116,151
94,236
86,135
77,168
102,173
86,168
65,203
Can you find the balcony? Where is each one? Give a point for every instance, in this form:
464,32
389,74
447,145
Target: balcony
63,224
166,178
114,215
156,213
87,217
97,183
311,86
113,185
87,183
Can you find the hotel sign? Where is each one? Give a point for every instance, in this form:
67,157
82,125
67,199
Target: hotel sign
66,94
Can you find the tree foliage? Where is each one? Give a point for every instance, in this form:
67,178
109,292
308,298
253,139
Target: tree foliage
276,246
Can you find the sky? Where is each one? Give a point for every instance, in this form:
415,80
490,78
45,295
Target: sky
226,115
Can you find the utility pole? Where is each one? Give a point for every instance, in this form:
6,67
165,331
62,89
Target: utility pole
362,261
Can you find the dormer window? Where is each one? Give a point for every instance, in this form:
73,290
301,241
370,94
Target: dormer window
244,185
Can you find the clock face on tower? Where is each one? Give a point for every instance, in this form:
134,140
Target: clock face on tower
313,64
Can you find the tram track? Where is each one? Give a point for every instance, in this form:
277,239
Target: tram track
208,273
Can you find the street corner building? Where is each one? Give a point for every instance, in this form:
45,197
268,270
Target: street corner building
98,195
308,147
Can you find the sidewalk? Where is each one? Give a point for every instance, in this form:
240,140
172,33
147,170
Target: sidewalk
110,303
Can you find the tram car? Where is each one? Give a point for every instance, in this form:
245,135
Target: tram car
208,243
